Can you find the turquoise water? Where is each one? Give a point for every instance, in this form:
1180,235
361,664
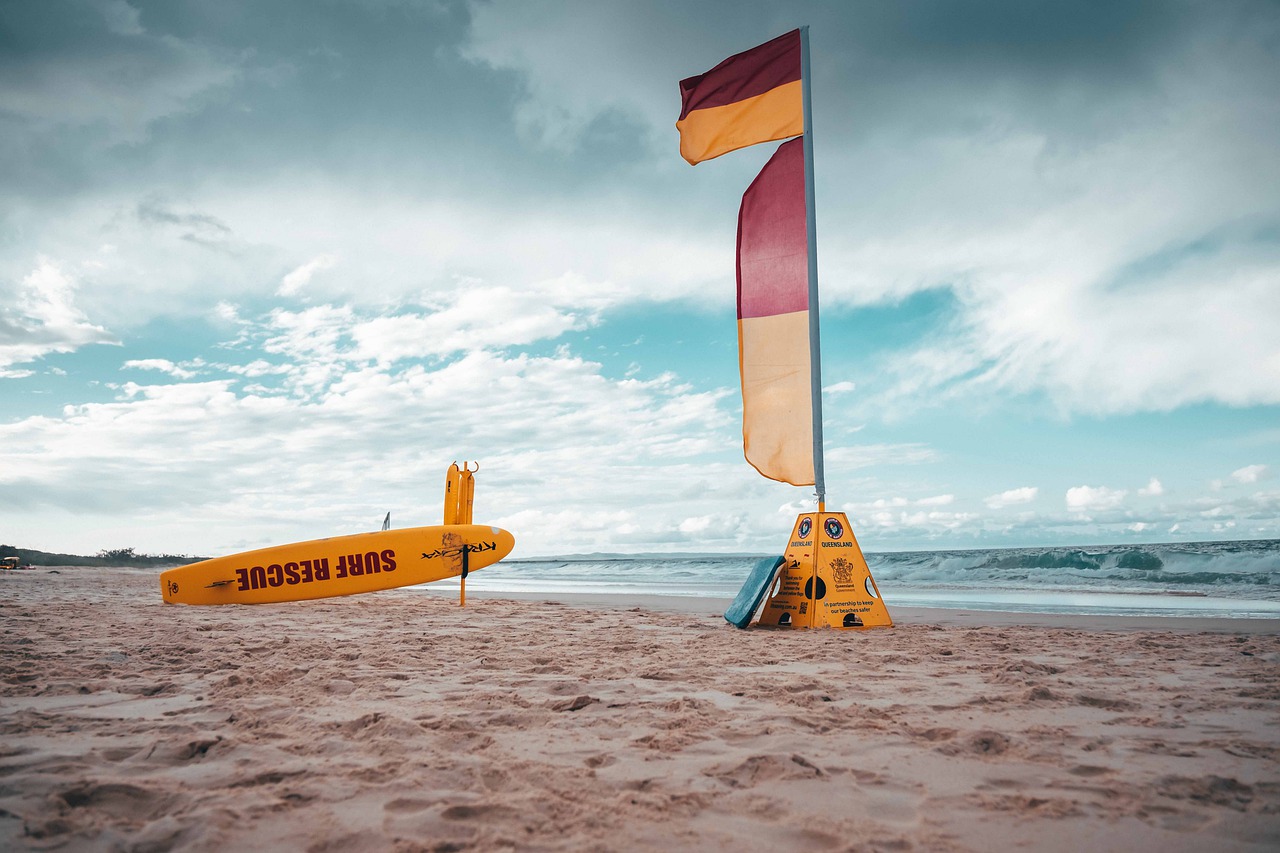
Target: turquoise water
1231,579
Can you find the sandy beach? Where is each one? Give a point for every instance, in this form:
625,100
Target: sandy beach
397,721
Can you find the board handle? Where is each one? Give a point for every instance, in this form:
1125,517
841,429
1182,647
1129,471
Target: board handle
459,493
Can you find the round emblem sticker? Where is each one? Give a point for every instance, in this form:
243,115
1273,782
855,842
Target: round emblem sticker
834,528
805,526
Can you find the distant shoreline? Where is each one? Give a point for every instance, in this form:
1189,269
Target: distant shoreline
49,560
870,552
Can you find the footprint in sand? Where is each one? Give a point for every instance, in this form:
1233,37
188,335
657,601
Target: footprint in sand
406,804
1217,790
119,803
763,768
477,811
980,743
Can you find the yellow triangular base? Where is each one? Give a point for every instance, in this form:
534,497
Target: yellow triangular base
825,582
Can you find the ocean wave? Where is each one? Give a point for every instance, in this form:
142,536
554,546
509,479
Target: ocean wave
1241,570
1252,568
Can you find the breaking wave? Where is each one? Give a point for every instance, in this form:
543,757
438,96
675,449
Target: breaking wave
1250,568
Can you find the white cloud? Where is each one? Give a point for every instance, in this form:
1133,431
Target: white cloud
474,318
298,278
795,507
1152,489
161,364
716,526
1012,497
839,388
323,342
226,312
1249,473
1094,499
45,320
937,500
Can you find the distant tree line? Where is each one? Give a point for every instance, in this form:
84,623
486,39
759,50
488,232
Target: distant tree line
109,557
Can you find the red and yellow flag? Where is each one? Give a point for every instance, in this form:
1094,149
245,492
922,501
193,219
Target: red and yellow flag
751,97
773,320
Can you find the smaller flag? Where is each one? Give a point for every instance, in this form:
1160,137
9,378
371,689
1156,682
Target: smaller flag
752,97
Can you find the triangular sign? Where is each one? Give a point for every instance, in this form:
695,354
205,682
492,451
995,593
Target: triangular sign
824,581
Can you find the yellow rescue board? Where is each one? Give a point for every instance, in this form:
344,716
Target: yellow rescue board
342,565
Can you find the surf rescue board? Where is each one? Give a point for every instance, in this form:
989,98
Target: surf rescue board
341,565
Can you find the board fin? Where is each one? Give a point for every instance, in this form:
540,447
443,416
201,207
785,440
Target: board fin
466,570
744,607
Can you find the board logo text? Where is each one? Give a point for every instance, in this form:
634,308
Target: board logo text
312,571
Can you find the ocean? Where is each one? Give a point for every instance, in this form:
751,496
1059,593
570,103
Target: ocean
1226,579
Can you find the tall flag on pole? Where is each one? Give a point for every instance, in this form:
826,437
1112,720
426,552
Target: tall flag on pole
751,97
773,320
762,95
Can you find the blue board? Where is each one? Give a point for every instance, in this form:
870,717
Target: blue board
752,593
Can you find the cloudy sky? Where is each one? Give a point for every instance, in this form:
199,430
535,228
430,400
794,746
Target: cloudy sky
266,269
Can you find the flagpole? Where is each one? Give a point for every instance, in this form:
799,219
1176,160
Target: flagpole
815,347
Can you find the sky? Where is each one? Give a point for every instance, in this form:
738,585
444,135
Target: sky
267,269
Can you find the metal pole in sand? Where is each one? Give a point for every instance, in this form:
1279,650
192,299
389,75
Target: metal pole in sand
815,348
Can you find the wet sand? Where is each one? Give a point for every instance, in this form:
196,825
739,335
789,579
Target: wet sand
397,721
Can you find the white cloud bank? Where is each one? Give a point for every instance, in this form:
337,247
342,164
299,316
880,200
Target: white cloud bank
347,432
